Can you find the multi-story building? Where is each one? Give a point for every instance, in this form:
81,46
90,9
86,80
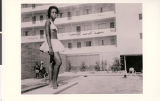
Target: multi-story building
91,33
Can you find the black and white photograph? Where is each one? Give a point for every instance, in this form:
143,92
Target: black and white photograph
81,48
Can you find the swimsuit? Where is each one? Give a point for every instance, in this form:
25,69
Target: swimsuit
57,46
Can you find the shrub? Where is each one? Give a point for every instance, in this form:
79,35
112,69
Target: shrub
83,67
116,65
97,67
69,66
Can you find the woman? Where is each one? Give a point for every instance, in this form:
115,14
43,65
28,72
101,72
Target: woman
53,46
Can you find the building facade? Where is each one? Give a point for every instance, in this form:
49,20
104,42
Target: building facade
91,33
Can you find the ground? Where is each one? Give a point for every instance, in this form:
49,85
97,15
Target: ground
106,85
96,84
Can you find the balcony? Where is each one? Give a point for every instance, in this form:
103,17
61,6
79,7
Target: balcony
32,25
37,8
90,50
73,19
74,35
87,34
27,39
45,7
84,18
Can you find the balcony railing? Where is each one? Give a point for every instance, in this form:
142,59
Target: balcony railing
87,34
44,7
74,35
27,39
73,19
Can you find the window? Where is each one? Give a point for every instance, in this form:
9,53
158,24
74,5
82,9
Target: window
26,19
87,27
41,18
77,13
69,15
140,16
78,28
112,25
102,42
102,26
112,41
140,35
88,43
101,9
68,28
61,15
69,45
26,33
41,34
78,44
87,11
33,5
33,19
61,30
24,5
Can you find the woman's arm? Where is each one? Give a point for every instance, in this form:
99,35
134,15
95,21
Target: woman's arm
48,37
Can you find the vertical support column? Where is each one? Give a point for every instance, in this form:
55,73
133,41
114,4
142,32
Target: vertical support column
125,74
125,68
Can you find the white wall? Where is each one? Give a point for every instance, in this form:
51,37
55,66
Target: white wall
128,27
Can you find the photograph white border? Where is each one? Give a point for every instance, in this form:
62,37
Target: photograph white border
11,68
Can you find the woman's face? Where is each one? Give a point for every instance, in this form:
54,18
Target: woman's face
53,13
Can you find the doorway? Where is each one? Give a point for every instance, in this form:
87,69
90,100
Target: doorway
135,61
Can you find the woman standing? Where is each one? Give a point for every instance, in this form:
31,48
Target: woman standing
53,46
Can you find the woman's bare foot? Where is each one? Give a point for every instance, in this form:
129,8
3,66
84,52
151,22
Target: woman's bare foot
55,85
50,84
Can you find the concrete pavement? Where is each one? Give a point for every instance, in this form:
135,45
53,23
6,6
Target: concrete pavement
89,83
34,83
107,85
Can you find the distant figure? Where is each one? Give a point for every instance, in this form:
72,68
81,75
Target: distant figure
42,70
37,69
131,70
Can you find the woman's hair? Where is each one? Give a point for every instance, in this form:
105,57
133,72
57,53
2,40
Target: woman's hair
50,8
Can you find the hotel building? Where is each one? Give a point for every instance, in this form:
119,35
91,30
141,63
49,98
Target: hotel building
91,33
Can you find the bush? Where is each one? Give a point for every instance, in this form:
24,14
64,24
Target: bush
116,65
83,67
97,67
69,66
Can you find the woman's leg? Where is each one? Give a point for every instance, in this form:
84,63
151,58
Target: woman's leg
57,65
50,70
